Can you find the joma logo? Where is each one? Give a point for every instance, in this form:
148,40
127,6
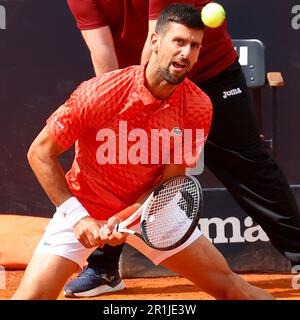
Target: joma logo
232,92
215,229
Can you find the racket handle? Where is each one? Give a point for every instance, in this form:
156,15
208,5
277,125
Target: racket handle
120,229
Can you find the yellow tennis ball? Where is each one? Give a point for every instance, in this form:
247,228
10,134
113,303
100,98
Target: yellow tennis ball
213,15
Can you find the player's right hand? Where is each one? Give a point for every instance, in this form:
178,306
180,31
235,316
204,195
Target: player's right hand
109,234
87,232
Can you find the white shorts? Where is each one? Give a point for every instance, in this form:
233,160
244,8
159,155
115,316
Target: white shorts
59,239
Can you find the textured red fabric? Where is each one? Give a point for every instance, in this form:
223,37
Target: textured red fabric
103,103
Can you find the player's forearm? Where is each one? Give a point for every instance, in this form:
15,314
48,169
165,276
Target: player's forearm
43,158
50,175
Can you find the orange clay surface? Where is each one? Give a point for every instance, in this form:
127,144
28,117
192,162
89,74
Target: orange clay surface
173,288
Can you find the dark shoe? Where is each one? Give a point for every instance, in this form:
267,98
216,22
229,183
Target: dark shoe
93,282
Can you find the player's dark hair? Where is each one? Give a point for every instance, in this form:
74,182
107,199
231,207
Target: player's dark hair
181,13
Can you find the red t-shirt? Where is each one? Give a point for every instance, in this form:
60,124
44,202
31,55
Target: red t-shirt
111,119
128,20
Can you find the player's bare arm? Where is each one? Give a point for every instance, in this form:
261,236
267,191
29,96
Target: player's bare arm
43,158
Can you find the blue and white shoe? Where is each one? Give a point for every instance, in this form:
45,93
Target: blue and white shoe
92,282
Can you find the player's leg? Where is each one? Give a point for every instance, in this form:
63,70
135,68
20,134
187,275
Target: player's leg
204,265
235,154
100,276
107,257
58,255
44,277
200,262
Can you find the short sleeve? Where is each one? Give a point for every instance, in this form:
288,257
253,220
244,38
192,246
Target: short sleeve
71,119
90,106
87,14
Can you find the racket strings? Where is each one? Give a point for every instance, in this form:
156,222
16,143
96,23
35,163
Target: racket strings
169,192
171,213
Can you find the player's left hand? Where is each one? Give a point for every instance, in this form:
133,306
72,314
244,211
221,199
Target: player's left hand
109,235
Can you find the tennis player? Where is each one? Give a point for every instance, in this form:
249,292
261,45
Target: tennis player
155,96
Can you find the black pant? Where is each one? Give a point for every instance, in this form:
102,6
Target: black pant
106,258
238,158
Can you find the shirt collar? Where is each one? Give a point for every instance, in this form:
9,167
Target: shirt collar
146,96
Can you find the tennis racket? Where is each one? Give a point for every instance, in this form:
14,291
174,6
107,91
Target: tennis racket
169,215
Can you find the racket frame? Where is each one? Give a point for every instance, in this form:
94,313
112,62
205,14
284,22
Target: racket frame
121,227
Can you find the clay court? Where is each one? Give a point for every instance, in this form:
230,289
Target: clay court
173,288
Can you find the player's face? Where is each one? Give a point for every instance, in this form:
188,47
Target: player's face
177,51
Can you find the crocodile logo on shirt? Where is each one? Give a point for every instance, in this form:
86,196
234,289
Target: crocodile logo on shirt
177,131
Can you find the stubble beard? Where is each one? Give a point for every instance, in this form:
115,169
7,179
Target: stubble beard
169,78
